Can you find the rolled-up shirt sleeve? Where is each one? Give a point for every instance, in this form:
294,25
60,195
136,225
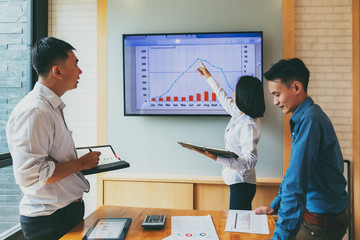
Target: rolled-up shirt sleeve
275,204
30,143
249,137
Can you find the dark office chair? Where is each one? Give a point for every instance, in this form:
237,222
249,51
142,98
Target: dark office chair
348,189
5,160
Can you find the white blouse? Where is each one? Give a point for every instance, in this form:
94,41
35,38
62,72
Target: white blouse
241,137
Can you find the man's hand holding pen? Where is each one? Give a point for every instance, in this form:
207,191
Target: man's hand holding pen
89,160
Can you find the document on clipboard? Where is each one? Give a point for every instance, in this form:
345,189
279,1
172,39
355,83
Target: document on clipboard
216,151
108,160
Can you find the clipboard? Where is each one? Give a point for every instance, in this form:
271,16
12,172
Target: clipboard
108,229
216,151
108,159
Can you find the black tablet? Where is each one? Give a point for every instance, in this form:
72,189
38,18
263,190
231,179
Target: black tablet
108,229
216,151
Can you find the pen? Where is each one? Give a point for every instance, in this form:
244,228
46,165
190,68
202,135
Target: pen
235,220
89,149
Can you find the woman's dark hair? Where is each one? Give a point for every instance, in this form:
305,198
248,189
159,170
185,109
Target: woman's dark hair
249,95
288,71
47,52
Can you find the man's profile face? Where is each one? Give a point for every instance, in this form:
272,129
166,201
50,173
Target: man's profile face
284,97
71,71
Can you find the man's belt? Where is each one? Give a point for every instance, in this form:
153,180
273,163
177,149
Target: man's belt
79,200
330,220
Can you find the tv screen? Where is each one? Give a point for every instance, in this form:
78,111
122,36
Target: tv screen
160,76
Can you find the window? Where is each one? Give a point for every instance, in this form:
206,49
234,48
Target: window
15,83
10,196
15,59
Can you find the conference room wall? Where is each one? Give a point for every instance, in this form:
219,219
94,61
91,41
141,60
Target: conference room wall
149,144
75,22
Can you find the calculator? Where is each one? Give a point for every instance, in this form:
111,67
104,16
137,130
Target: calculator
154,221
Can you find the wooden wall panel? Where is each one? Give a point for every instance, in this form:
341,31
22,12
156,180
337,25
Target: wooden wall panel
264,195
101,81
211,197
355,165
149,194
102,72
288,52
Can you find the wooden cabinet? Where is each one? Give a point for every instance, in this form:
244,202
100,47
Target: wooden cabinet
148,194
176,192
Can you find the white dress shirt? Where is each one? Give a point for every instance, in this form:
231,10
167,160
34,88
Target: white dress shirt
241,137
37,136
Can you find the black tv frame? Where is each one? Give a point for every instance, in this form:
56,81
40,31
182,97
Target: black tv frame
184,33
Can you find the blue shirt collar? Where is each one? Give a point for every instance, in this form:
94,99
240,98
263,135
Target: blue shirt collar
301,109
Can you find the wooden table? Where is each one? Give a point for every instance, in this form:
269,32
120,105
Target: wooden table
136,232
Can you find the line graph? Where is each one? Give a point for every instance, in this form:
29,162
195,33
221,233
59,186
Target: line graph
166,77
198,59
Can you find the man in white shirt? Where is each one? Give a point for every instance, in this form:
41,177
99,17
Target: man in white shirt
45,163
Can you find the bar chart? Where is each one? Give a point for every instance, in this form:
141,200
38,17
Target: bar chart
190,98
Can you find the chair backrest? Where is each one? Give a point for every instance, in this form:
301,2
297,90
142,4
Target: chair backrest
347,175
348,188
5,160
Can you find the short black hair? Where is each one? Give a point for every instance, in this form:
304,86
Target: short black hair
288,71
249,94
46,53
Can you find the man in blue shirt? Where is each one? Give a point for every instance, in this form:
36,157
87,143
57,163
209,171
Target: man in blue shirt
312,201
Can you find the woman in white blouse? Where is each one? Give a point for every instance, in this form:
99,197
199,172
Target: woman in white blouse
242,135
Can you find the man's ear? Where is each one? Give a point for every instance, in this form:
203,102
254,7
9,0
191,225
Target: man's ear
56,71
297,86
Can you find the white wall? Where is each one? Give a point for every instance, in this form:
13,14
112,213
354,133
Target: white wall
149,144
75,22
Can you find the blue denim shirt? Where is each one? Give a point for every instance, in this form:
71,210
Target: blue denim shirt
314,179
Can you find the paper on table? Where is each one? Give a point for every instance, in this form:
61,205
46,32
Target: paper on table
193,228
246,222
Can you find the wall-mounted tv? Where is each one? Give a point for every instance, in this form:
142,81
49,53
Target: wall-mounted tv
160,76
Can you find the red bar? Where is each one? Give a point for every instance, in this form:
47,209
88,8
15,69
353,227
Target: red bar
213,97
161,99
153,99
191,98
198,97
183,99
168,99
206,96
176,99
